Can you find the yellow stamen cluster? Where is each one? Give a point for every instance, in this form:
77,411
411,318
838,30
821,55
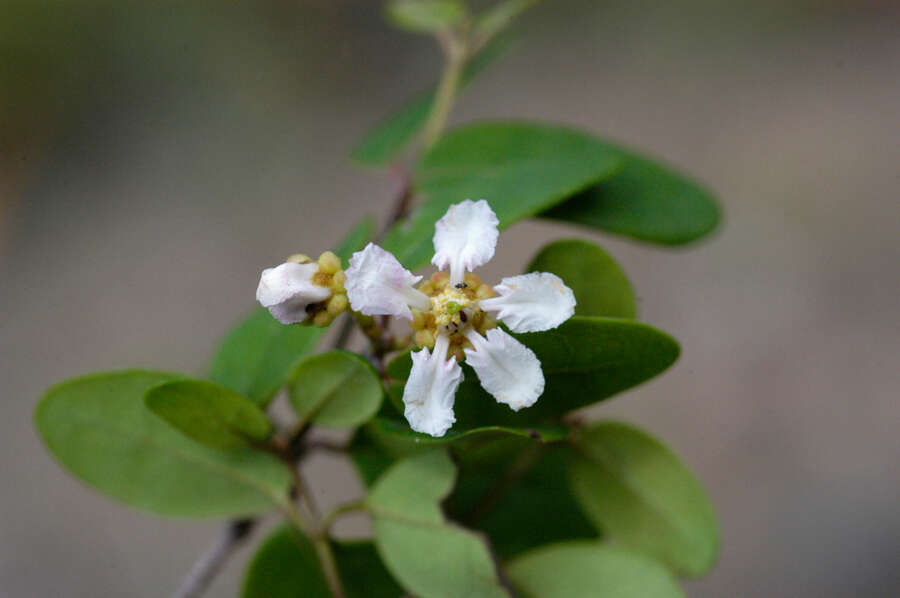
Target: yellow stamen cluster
331,276
453,311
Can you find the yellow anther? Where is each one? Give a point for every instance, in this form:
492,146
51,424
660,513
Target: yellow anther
424,338
329,263
322,319
336,304
418,321
299,258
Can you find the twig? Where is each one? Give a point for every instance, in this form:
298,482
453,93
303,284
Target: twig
210,563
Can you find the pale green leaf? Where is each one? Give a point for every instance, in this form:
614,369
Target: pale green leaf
425,16
636,490
584,569
209,413
430,557
336,389
100,430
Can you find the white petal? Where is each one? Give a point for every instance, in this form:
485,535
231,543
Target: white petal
378,285
287,289
465,238
431,390
531,302
506,368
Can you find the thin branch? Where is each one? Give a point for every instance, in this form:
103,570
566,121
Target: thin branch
210,563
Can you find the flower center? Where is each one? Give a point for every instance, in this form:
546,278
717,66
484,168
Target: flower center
451,309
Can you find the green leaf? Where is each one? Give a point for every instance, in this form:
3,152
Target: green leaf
588,570
389,137
507,501
520,168
337,389
259,353
369,461
100,430
425,16
286,566
209,413
599,283
637,490
431,558
257,356
585,360
397,438
647,201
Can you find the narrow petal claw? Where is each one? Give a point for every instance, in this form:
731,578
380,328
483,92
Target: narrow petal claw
287,290
431,390
465,238
506,368
378,285
532,302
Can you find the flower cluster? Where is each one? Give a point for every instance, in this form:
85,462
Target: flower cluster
301,290
454,315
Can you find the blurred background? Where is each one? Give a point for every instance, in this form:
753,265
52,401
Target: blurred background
155,156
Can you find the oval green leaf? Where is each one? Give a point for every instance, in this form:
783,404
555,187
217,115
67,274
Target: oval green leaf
257,355
647,201
634,488
100,430
336,389
430,557
520,168
589,570
599,283
425,16
286,566
210,414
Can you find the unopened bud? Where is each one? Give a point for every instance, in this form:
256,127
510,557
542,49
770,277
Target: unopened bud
299,258
329,263
336,304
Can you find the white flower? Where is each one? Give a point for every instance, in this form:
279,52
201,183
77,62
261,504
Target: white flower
287,290
465,238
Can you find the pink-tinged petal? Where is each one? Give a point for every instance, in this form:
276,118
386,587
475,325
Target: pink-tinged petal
431,390
531,302
378,285
287,290
465,238
506,368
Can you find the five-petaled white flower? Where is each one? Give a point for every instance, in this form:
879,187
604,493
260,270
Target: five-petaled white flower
465,238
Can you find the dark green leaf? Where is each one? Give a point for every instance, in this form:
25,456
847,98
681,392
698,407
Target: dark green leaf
389,137
100,430
397,438
209,413
509,500
259,353
337,389
585,360
599,284
286,566
589,570
369,460
647,201
431,558
520,168
425,16
637,490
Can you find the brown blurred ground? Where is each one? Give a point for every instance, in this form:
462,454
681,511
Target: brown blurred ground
200,144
